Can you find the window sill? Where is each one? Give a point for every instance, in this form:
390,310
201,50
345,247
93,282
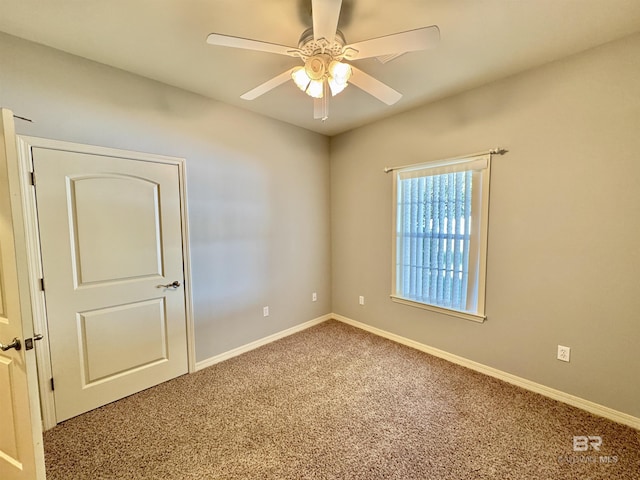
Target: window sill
447,311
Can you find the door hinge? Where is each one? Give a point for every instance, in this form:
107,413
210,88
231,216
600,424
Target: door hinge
42,284
52,385
33,178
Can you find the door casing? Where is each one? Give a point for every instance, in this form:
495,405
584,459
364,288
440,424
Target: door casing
25,144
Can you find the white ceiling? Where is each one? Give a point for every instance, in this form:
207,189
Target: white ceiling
481,41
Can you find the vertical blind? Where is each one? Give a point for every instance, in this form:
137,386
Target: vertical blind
436,219
435,222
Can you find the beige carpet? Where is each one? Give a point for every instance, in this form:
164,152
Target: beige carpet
334,402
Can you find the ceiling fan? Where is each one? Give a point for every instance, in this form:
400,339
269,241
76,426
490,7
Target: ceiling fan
324,51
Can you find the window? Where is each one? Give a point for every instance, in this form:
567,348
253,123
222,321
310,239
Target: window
441,216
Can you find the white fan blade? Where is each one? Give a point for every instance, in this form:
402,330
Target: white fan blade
325,18
387,58
374,87
409,41
268,85
248,44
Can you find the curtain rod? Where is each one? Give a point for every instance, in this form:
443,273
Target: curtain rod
493,151
22,118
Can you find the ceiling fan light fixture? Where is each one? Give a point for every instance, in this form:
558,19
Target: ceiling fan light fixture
323,50
300,78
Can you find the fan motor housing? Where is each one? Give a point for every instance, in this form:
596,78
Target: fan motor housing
310,47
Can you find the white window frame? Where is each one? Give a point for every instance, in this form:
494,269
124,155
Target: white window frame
481,167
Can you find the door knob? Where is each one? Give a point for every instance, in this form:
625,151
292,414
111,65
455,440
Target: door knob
174,284
14,344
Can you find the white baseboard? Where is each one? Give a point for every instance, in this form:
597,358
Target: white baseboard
567,398
260,342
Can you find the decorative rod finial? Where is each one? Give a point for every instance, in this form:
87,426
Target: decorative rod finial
498,151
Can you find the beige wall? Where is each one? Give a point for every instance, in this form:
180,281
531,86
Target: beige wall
564,230
258,189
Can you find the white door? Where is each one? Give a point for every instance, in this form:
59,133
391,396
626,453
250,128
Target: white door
111,242
21,452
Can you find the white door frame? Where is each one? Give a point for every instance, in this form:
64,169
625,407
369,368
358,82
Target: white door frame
25,144
22,455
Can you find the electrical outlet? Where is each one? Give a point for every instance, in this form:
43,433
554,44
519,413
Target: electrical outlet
361,300
265,312
564,353
314,297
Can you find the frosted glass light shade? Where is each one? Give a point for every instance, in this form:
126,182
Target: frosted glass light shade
340,72
336,87
315,88
300,78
